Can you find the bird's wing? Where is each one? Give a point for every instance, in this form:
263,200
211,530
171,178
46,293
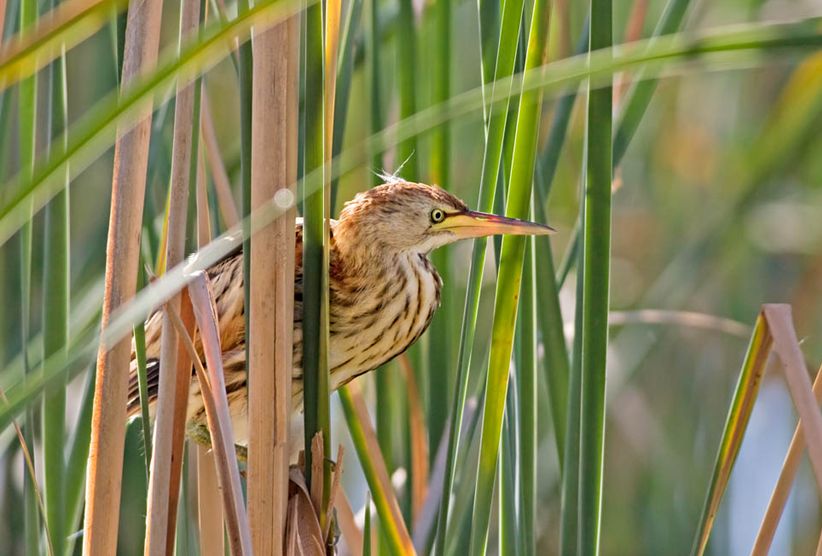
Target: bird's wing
227,290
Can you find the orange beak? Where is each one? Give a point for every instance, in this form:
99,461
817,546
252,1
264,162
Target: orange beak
471,224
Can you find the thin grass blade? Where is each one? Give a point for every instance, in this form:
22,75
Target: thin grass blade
56,304
747,387
596,248
27,137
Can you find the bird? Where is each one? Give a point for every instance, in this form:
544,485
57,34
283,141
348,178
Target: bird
383,293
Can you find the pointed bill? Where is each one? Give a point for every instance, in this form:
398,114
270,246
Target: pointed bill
471,224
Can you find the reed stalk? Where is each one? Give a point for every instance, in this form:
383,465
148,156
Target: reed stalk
56,302
164,474
272,291
122,257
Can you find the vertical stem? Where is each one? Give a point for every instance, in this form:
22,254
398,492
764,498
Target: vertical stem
527,397
595,279
56,314
315,266
406,84
164,474
245,76
509,279
122,258
385,378
27,95
569,497
210,514
495,133
440,336
272,292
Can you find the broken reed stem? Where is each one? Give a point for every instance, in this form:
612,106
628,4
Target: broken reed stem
782,490
219,416
168,430
272,291
122,257
222,185
786,345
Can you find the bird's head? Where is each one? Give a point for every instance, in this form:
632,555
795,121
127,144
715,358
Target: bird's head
414,217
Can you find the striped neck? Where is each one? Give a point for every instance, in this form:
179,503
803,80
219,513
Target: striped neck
379,313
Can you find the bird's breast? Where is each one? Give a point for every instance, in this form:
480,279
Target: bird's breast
389,311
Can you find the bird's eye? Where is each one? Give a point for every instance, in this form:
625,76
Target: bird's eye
437,216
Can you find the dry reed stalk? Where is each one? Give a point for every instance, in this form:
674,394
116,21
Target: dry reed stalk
218,415
782,490
222,185
419,440
210,505
272,292
169,425
819,546
122,257
209,501
348,524
181,385
786,345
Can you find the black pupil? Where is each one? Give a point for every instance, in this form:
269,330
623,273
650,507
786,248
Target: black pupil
437,215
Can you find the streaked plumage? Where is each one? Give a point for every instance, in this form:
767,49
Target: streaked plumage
383,291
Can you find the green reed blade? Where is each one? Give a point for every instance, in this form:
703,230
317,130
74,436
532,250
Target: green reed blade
509,279
315,300
497,120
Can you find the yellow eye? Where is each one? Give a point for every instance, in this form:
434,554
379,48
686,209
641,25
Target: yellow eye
437,216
